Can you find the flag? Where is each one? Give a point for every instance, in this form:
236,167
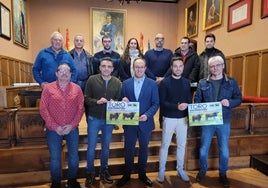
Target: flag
67,40
141,42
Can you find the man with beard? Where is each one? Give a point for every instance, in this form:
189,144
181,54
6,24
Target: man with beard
107,52
175,95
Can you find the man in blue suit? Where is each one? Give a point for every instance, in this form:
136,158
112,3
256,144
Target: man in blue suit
145,91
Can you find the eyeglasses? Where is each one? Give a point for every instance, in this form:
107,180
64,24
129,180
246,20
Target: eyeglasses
160,38
215,66
107,41
66,71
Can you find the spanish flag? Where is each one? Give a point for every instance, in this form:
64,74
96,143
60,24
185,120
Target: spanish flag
141,42
67,40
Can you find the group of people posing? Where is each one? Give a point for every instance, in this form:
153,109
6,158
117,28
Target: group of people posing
76,82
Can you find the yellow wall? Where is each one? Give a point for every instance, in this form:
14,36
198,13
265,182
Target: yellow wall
146,18
246,39
44,17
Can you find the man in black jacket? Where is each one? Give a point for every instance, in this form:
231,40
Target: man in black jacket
190,59
209,52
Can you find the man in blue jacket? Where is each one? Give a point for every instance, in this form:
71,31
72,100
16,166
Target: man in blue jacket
217,87
49,59
145,91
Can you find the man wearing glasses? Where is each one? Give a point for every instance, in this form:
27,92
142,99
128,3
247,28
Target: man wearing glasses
158,59
217,87
62,107
107,52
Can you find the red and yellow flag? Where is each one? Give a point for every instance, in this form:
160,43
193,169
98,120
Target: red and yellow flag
67,40
141,42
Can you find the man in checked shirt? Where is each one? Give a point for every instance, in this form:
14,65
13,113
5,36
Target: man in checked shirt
62,107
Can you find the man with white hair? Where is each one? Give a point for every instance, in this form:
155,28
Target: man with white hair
217,87
48,60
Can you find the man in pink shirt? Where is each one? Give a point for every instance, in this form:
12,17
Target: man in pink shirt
62,107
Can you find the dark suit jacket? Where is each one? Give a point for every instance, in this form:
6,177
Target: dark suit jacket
148,98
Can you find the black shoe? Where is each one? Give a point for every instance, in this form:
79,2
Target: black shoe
116,127
224,180
72,183
89,180
146,180
123,180
105,175
200,176
55,185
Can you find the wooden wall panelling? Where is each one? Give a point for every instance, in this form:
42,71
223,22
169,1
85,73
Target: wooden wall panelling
29,127
240,120
228,66
11,69
6,129
237,70
251,74
18,71
264,74
6,78
259,118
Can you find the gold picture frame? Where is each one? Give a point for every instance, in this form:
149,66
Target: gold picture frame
212,14
191,19
20,23
116,28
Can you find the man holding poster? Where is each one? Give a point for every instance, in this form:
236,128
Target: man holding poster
217,88
175,95
100,89
145,91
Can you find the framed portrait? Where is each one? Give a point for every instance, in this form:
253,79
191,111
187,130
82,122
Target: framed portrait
212,14
19,23
264,8
5,30
239,14
191,19
109,22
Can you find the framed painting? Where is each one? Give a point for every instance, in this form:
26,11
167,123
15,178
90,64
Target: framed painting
264,8
191,19
5,30
20,24
239,14
109,22
212,15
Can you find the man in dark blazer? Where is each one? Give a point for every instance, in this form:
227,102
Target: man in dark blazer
145,91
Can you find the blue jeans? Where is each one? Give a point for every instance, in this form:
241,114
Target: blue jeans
94,126
55,147
223,134
131,135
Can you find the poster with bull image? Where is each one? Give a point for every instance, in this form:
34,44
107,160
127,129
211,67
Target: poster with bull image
201,114
122,113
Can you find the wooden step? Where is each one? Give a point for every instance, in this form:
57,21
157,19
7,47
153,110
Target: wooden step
117,150
116,165
118,136
259,162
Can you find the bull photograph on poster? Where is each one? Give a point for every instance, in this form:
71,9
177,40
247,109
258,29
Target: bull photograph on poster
201,114
122,113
